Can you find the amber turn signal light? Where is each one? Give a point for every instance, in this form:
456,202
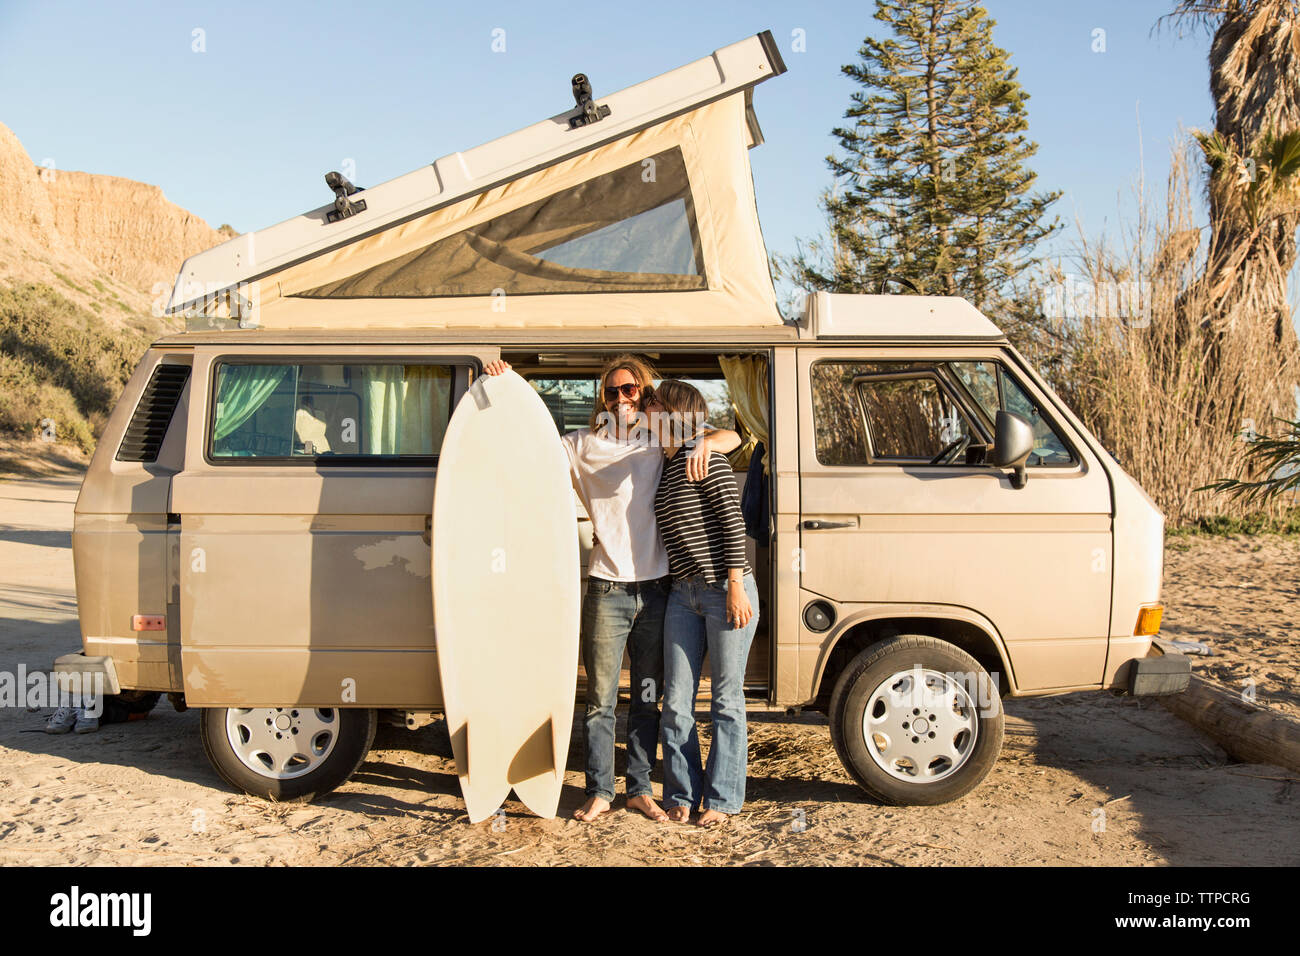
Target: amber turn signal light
1148,624
148,622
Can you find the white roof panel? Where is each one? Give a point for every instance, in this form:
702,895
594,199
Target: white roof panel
837,315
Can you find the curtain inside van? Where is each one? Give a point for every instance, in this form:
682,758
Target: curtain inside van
242,391
406,408
747,381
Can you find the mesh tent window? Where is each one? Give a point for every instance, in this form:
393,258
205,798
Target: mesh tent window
629,230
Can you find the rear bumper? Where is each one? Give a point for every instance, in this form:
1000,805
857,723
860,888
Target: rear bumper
1158,675
87,667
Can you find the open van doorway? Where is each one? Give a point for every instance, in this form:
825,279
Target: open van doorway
735,387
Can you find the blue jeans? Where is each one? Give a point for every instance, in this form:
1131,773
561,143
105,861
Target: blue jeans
618,615
696,621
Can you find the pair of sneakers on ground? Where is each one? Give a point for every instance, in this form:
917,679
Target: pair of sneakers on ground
67,719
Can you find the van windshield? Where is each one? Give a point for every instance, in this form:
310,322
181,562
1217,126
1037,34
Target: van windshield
994,389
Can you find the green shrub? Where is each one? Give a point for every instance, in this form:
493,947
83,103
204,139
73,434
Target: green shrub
69,283
58,364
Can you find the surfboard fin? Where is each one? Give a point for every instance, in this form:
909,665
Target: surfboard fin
539,771
560,745
460,750
480,803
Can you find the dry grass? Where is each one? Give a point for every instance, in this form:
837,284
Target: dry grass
1167,381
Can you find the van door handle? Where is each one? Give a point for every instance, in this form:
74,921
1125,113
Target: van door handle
817,525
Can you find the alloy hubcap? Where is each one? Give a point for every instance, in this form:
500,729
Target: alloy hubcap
282,742
920,725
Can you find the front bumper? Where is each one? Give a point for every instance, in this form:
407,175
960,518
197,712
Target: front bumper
1159,674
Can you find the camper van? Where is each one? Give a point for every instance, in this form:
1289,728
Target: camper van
939,530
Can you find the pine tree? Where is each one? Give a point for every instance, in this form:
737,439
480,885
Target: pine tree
931,183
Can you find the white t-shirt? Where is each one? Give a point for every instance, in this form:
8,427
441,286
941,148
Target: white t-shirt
616,482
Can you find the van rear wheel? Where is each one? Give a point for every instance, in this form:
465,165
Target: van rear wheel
916,721
287,753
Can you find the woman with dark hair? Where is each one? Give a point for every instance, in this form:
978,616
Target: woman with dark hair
713,607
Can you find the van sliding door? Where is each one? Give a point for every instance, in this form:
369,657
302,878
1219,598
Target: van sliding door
305,507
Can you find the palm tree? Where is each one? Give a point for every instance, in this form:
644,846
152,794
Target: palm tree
1253,185
1255,208
1253,154
1277,459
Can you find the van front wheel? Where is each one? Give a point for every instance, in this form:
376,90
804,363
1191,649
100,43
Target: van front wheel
916,721
287,753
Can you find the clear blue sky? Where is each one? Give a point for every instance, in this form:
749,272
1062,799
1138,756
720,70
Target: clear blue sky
244,132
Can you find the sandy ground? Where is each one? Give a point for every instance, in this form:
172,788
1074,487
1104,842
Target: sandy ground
1240,595
33,458
1088,779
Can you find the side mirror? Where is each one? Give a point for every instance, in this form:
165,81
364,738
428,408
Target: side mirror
1013,442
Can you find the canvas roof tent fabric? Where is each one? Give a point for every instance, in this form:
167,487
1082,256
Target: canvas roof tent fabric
664,205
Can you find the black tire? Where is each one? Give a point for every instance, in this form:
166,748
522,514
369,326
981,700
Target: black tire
354,734
869,672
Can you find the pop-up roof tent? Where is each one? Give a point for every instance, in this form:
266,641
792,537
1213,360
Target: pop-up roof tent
566,223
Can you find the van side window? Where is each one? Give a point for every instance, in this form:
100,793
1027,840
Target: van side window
569,400
320,411
909,418
883,413
994,388
909,412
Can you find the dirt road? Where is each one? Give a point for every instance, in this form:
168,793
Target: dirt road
1087,780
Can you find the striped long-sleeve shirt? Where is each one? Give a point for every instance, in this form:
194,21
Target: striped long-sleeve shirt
700,522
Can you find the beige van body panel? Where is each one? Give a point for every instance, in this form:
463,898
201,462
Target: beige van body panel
305,584
1140,532
1139,544
816,648
122,544
1035,561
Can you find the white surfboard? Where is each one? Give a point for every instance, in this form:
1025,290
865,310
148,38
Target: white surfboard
505,596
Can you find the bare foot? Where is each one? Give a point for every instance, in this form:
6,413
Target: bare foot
710,818
646,804
679,814
590,810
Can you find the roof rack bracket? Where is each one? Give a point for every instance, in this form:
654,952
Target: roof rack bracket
589,111
343,206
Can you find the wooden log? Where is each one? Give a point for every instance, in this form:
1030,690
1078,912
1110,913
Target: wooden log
1247,731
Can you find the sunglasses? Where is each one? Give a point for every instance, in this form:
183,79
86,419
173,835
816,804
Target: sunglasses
628,390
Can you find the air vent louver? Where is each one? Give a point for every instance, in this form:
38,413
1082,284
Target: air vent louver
144,436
